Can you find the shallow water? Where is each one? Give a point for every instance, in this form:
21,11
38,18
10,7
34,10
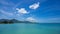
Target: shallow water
30,28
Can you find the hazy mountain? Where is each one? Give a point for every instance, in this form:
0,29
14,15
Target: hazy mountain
8,21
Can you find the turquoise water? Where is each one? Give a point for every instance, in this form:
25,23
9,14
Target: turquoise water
30,28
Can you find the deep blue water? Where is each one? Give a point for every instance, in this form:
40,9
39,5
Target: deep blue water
42,28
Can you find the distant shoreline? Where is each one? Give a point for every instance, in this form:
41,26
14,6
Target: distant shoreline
12,21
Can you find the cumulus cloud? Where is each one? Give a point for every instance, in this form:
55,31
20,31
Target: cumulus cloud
31,19
22,11
34,6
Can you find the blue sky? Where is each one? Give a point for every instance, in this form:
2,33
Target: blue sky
31,10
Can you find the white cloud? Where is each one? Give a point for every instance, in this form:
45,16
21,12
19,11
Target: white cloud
6,13
34,6
31,19
6,5
22,11
54,20
4,2
49,20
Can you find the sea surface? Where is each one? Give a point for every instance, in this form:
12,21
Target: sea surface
22,28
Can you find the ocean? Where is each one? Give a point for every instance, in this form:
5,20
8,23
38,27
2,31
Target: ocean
22,28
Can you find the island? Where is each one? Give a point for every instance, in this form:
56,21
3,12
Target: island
12,21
